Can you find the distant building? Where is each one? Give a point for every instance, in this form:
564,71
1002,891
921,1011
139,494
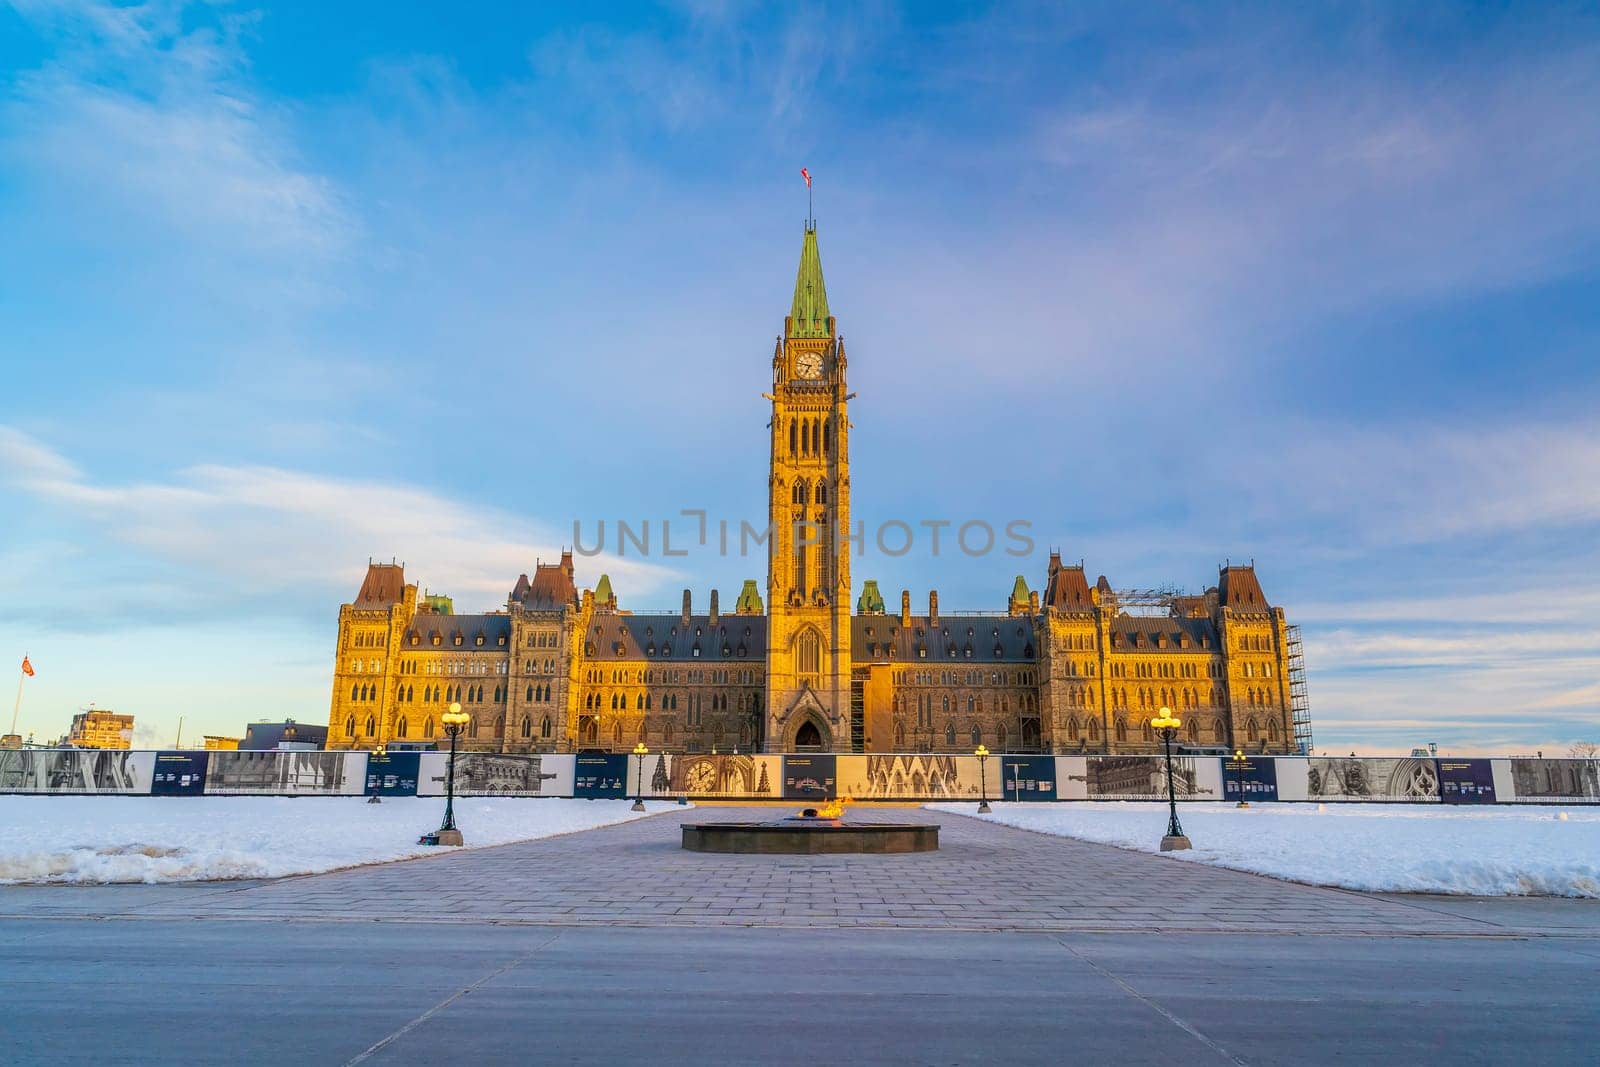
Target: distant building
97,728
286,735
215,743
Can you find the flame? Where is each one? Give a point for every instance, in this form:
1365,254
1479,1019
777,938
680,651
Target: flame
834,809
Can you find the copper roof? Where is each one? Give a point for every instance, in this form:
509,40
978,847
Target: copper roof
385,584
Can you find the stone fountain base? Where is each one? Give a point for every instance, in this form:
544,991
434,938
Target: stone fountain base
810,836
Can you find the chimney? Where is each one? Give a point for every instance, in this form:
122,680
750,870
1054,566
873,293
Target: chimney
713,607
686,607
933,607
905,607
1033,602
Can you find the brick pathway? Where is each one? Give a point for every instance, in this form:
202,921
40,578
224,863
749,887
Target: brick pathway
985,877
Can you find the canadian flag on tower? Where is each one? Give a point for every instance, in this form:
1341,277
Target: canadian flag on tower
806,174
27,668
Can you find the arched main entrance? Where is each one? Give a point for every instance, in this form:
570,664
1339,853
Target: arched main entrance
808,737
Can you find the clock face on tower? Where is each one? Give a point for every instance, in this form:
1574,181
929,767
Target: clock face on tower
808,364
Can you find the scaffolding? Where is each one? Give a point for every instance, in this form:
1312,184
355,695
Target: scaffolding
1299,699
1155,603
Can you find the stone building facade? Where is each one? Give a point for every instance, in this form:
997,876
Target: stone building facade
1079,667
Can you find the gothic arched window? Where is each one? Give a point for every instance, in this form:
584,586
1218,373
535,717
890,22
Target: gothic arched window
403,727
808,653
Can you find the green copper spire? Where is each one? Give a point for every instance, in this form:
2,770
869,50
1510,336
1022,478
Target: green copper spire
871,601
602,591
808,317
749,599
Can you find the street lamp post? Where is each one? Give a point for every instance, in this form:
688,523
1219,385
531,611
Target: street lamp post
640,752
1167,724
982,752
1238,776
454,721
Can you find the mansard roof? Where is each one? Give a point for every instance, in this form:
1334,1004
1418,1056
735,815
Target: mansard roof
1161,633
1238,588
385,584
491,627
734,638
990,639
1066,588
551,589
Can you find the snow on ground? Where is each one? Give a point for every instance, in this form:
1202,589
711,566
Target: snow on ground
1505,850
180,839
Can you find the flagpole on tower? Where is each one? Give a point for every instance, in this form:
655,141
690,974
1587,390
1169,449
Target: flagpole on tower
811,217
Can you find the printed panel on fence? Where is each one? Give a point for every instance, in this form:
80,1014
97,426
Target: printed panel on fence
497,774
914,777
1466,781
1253,777
696,774
308,773
601,775
393,774
1027,778
1357,778
180,774
75,770
810,777
1137,777
1549,781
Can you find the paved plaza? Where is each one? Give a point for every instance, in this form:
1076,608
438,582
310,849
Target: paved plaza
616,943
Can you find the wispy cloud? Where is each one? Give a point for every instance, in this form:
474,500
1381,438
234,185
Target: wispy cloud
145,123
251,534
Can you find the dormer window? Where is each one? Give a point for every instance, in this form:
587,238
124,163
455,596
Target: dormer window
501,641
478,641
415,640
437,640
457,640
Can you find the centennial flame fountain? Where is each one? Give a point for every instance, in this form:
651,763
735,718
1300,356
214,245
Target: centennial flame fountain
814,831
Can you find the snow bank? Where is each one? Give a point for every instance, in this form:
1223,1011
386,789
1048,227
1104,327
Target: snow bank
180,839
1411,848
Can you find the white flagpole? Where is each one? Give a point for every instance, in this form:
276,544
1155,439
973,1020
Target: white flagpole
16,709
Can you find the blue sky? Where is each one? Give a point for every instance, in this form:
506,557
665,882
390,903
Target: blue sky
288,287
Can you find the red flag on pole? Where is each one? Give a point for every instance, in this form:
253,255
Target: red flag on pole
806,174
27,668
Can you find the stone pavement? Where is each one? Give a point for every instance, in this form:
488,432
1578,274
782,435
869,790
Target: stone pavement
985,877
615,946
